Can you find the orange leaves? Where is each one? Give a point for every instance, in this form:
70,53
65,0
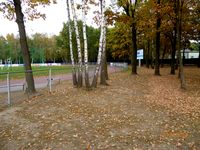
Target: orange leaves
111,16
175,134
120,116
125,19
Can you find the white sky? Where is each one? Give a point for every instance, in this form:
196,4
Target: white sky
55,16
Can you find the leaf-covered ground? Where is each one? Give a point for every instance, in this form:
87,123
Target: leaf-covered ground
132,113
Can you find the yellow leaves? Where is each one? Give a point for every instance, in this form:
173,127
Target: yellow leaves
33,16
78,6
111,16
29,7
33,1
7,9
120,116
175,134
93,2
120,53
41,1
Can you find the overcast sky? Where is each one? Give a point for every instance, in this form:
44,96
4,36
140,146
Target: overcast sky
55,16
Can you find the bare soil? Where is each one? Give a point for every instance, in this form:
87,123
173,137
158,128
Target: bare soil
135,112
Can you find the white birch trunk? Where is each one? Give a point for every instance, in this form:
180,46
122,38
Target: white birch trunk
78,45
87,82
70,46
99,58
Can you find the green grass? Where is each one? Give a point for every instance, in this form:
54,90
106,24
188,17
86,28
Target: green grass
18,72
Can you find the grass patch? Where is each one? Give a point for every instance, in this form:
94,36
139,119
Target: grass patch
18,72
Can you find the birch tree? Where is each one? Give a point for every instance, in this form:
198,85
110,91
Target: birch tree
102,34
87,82
80,77
70,46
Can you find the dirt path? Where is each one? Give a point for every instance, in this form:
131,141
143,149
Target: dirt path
133,113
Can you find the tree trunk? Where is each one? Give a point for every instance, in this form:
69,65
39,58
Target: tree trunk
104,62
199,56
102,34
87,81
74,78
183,61
132,8
174,42
80,77
134,50
181,72
24,47
173,54
157,63
106,67
163,56
152,55
103,71
147,55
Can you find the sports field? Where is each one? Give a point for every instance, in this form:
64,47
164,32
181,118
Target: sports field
18,72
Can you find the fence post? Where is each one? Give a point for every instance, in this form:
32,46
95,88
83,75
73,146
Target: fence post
50,80
139,63
8,88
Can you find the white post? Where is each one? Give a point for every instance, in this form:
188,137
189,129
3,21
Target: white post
50,80
139,63
8,88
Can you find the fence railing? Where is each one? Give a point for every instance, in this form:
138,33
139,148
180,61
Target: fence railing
119,64
15,81
8,87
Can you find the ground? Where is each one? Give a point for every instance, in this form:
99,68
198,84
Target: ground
135,112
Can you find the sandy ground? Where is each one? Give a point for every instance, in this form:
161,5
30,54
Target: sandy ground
133,113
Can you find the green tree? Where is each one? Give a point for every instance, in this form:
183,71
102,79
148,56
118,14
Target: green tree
10,48
17,56
92,36
119,41
50,49
62,42
130,8
3,44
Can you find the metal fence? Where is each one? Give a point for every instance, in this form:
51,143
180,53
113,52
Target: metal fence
14,82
